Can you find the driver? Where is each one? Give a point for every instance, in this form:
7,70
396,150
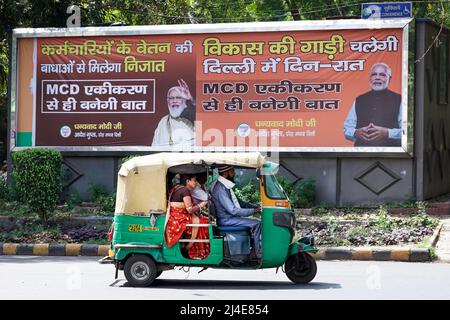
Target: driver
233,212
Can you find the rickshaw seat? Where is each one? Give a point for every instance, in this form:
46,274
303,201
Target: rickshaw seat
225,229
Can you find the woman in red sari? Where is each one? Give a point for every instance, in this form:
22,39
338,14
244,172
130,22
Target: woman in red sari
183,212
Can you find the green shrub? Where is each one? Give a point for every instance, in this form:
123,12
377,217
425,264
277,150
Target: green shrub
37,178
422,219
4,190
320,211
248,193
97,191
410,202
13,194
433,253
73,199
105,204
358,231
305,191
13,208
8,190
383,220
301,194
103,201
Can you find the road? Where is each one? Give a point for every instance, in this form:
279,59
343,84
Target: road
61,278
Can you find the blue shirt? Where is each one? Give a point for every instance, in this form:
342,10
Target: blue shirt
225,208
350,125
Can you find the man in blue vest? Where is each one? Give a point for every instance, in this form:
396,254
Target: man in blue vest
375,118
231,211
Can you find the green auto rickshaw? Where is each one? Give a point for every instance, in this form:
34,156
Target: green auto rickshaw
137,233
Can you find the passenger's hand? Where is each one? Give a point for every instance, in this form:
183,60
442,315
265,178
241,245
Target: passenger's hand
257,209
203,204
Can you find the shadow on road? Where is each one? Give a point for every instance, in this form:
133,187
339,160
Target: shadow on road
233,285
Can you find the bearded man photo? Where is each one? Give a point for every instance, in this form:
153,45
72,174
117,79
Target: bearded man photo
375,118
174,129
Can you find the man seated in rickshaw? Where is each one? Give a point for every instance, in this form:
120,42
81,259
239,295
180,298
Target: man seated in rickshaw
183,211
231,211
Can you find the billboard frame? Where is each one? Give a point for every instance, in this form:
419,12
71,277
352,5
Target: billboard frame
307,25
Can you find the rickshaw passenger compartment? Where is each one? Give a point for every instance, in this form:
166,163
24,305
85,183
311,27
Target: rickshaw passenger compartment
236,242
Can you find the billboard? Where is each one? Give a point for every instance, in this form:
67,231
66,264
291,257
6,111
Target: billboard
338,86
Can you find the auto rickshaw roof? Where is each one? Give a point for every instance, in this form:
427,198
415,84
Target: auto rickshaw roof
170,159
141,185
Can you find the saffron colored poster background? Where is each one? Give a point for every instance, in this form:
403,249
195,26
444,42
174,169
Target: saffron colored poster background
286,89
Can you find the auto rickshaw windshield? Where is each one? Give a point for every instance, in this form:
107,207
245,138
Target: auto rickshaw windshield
273,189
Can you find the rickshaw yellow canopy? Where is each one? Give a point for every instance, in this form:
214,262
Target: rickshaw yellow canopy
141,185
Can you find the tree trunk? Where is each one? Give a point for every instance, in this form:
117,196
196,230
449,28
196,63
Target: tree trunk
293,9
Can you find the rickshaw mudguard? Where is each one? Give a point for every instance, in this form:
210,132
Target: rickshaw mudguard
122,253
300,247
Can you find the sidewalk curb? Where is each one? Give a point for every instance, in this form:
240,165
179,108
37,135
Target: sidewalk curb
405,254
53,249
374,254
329,253
435,237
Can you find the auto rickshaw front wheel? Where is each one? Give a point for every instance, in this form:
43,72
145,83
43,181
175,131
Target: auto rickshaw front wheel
140,270
300,268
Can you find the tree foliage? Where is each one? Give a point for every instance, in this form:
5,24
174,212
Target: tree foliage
52,13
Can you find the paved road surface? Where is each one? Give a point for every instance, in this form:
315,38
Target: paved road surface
30,277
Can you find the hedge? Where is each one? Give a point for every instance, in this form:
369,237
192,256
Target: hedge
37,178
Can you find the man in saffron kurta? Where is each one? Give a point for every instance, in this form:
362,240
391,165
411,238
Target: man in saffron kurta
174,129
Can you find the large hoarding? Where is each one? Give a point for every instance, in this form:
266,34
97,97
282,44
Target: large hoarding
331,86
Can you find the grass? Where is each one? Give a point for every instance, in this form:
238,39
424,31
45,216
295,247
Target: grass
425,243
371,226
28,230
358,231
341,213
376,217
14,208
433,254
33,229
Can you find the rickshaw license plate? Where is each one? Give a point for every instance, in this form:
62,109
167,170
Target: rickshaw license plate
135,228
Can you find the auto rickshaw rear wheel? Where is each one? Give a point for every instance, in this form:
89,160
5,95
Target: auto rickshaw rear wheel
140,270
300,268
